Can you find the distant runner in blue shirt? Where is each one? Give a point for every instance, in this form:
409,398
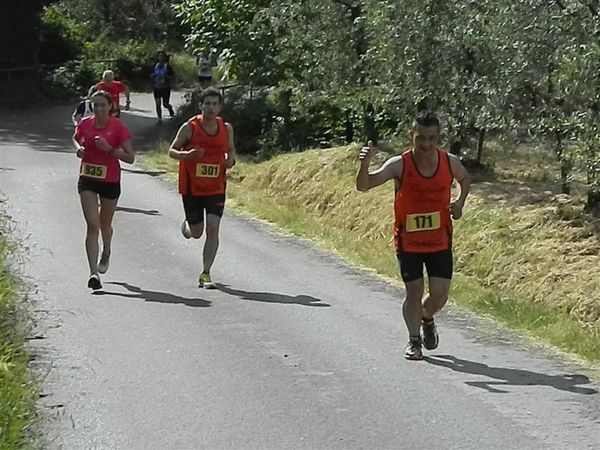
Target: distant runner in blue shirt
162,77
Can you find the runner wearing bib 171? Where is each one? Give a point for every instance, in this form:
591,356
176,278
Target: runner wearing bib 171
205,149
100,141
424,211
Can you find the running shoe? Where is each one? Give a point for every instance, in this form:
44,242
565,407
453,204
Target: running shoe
413,349
431,338
104,263
185,230
205,281
94,282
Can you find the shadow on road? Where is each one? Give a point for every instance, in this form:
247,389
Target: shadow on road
511,377
33,128
268,297
147,212
152,173
142,110
154,296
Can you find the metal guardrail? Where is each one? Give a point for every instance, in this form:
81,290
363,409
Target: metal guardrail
49,66
194,92
9,71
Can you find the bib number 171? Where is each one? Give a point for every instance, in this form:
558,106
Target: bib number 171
423,222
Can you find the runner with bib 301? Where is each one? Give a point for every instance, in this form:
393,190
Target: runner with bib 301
205,149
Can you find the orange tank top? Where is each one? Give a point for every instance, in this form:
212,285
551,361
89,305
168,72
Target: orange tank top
205,176
422,213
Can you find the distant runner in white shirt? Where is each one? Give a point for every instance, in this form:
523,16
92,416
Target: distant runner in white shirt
84,109
204,71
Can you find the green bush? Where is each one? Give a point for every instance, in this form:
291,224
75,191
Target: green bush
131,61
71,79
250,117
61,38
294,124
185,69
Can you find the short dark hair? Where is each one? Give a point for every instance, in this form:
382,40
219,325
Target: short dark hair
211,92
426,119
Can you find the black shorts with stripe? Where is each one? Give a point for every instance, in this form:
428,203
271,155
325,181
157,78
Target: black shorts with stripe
195,207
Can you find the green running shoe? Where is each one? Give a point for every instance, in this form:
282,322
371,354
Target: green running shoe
205,281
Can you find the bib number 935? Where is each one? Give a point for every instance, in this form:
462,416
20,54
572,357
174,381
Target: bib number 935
93,171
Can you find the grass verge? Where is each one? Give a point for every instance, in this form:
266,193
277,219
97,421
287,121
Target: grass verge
18,393
523,256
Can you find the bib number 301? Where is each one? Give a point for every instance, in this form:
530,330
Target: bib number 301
93,171
423,222
207,170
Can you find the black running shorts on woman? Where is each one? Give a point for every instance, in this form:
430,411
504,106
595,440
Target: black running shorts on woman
438,264
110,191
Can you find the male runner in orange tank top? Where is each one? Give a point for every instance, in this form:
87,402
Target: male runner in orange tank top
205,148
424,211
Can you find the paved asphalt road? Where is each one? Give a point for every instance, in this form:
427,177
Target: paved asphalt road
296,350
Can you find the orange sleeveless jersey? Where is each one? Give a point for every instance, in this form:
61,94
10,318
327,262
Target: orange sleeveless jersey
422,213
205,176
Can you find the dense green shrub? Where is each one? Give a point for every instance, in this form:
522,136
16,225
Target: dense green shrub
131,61
265,123
61,37
185,69
72,79
247,116
250,117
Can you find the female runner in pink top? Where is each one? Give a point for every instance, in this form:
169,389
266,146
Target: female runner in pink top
101,141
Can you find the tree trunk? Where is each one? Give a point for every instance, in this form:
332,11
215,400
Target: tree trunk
349,127
457,142
286,109
565,171
565,164
107,11
480,141
592,204
369,123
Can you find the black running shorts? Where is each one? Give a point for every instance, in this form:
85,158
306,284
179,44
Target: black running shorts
194,207
110,191
437,264
164,94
